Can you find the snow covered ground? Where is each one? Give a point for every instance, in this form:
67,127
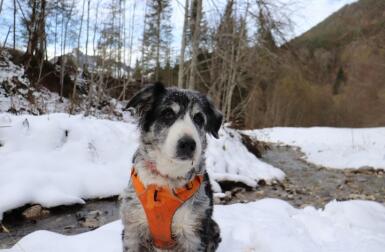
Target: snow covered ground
58,159
332,147
267,225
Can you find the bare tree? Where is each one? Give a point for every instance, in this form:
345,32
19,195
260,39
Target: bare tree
92,87
65,21
183,45
196,17
14,24
87,33
80,31
1,5
130,46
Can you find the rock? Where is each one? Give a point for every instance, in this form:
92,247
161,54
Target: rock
35,212
236,190
92,220
262,182
217,200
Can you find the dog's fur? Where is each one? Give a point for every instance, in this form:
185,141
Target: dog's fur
165,116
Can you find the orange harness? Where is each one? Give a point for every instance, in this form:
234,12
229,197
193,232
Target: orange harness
160,204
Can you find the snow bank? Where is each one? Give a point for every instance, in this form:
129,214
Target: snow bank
60,159
332,147
267,225
228,159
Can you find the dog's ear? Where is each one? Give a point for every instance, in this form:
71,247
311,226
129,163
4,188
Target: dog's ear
213,115
144,99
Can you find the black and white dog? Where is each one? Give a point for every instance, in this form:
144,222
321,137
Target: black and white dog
173,125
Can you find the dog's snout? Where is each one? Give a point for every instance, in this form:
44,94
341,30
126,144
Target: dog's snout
186,147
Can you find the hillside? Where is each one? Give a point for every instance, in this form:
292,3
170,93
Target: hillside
365,18
345,54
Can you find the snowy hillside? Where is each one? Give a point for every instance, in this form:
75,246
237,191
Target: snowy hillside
18,96
61,159
332,147
264,226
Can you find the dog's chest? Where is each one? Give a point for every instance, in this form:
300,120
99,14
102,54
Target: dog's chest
185,223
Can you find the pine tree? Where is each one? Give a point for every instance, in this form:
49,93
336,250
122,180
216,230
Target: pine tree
157,35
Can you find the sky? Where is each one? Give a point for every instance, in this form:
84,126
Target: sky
304,13
311,12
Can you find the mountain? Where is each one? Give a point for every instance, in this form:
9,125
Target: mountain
346,54
362,19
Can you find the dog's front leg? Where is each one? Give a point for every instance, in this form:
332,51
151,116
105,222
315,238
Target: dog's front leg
132,242
135,236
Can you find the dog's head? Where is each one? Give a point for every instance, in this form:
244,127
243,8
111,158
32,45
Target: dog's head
173,124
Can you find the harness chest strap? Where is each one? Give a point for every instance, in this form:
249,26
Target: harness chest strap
160,204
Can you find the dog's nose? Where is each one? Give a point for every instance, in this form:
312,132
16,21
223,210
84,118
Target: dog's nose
186,147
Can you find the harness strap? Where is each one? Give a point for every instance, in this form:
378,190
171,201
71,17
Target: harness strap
160,204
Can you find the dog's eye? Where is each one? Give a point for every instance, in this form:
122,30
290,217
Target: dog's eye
168,114
198,119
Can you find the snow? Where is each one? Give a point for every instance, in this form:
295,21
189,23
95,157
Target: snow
17,95
60,159
40,164
339,148
9,70
16,92
228,159
267,225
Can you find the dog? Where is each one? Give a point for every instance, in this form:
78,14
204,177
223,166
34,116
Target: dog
170,158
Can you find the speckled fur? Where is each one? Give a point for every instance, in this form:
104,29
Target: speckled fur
193,227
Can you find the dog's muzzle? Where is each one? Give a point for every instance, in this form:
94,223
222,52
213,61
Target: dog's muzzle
185,148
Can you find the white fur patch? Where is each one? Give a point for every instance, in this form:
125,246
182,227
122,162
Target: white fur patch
175,107
166,162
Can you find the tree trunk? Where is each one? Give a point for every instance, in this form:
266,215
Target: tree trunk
77,57
80,33
56,23
87,33
41,34
6,37
64,58
195,44
1,5
183,46
14,24
143,41
158,42
92,85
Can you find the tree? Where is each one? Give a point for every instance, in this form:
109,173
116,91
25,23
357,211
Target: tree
110,41
1,5
196,16
157,34
183,46
14,24
340,79
66,18
34,23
